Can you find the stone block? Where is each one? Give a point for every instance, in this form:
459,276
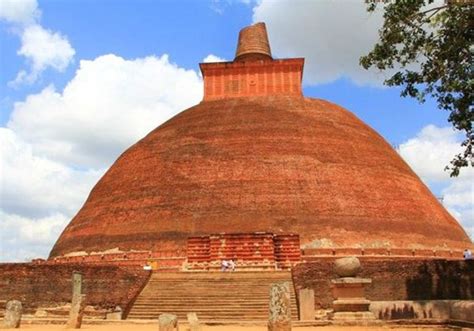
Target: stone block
463,311
168,322
349,287
353,316
351,305
116,315
193,321
279,318
306,304
13,311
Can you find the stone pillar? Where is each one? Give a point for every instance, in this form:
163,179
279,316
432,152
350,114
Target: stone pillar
168,322
13,313
76,284
193,322
306,304
348,291
78,302
279,318
77,312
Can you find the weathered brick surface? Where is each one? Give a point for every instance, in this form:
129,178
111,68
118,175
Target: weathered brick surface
253,44
271,164
105,286
394,279
164,260
244,79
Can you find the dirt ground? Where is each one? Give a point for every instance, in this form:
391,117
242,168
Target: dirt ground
154,327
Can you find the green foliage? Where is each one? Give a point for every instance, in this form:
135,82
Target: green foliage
431,47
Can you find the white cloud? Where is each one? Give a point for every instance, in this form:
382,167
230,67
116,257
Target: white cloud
34,186
331,35
25,238
213,58
460,193
428,153
43,49
431,150
458,198
58,143
109,104
38,196
19,11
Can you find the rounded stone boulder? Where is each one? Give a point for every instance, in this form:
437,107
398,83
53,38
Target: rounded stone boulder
347,266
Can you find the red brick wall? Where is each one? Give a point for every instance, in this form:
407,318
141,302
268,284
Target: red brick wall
243,79
257,249
47,285
166,260
395,279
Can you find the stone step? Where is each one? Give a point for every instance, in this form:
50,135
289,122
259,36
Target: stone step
210,298
164,305
209,317
209,309
204,302
203,298
204,295
219,287
238,274
157,303
222,278
206,317
216,314
233,317
261,283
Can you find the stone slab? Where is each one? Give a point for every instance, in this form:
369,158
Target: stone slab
306,304
279,318
13,312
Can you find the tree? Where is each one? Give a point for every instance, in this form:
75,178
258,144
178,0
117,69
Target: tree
430,45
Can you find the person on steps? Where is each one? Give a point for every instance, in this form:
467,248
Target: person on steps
467,254
231,265
224,265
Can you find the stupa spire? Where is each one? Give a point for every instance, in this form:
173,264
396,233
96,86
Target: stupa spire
253,44
253,72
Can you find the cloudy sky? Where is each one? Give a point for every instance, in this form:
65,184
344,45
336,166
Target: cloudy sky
80,81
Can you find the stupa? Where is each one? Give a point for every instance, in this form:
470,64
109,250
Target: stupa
257,156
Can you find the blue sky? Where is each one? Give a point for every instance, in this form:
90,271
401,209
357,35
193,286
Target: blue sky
117,69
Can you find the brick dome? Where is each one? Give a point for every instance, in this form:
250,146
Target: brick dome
256,155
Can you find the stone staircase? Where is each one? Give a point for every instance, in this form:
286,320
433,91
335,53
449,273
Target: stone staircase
240,295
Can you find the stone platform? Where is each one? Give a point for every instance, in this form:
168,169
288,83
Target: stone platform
242,296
